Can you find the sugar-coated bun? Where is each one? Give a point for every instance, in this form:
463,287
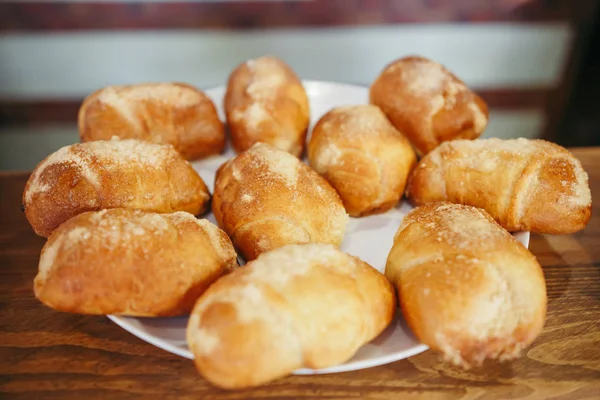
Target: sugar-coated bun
265,198
363,156
525,185
467,287
266,102
111,174
427,103
163,113
307,305
131,262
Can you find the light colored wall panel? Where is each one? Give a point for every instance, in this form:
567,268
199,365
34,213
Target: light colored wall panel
64,65
515,124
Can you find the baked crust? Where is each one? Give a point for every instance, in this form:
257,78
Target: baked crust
427,103
307,305
265,198
266,102
525,185
111,174
363,157
467,287
130,262
163,113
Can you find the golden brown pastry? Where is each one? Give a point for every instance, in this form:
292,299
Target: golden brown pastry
111,174
265,198
131,262
526,185
163,113
467,287
427,103
307,305
266,102
363,156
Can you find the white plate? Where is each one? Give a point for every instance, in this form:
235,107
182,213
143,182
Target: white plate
369,238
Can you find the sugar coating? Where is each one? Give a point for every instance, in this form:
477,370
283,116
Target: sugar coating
270,267
108,154
64,155
266,186
359,120
275,271
364,134
279,162
493,153
246,198
251,306
216,237
503,301
359,124
253,115
119,227
423,78
127,99
176,95
425,89
268,74
456,225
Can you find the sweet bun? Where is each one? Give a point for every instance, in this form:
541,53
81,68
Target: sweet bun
111,174
467,287
266,102
265,198
525,185
307,305
130,262
427,103
163,113
363,156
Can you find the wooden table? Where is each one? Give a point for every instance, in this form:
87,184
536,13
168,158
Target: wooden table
50,355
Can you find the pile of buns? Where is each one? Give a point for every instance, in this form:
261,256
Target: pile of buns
120,211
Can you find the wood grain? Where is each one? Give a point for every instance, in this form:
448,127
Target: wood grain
50,355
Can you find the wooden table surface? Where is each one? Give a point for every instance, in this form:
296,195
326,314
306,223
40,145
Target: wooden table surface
50,355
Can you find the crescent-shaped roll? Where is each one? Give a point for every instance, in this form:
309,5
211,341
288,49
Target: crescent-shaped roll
163,113
265,198
363,156
467,287
525,185
307,305
111,174
266,102
427,103
131,262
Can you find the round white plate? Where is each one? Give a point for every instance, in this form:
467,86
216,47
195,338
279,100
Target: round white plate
369,238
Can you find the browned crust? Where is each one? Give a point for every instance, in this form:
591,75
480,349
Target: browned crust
427,103
266,102
77,179
525,185
166,113
275,315
265,198
363,157
130,262
467,288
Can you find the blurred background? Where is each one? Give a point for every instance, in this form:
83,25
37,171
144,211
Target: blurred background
536,63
